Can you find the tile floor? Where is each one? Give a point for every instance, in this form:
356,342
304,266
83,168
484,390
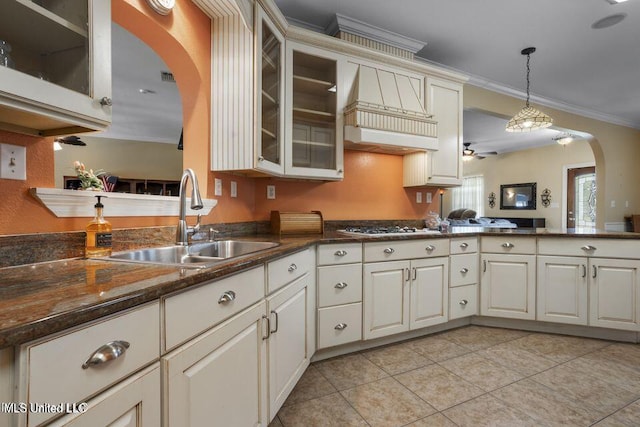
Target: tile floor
473,376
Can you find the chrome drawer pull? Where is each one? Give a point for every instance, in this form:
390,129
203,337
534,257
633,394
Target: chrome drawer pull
389,250
226,297
430,248
464,245
276,328
464,302
340,253
266,319
340,326
340,285
588,248
464,270
292,268
507,245
106,353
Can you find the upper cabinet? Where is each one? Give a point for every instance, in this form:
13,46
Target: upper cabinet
444,166
313,143
55,76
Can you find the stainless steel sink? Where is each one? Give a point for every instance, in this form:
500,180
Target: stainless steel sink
197,255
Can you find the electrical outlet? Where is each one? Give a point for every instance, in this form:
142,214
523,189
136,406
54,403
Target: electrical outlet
429,200
419,197
613,203
626,203
271,192
13,162
234,189
217,188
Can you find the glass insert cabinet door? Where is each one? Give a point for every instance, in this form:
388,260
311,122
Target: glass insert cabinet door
57,52
270,96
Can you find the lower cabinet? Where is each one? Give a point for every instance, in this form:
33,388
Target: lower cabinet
508,286
404,295
562,290
220,377
614,293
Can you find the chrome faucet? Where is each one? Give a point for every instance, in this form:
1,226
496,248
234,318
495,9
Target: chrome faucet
183,231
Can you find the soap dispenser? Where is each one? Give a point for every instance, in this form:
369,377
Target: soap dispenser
98,241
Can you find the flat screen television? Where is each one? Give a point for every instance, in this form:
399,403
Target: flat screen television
518,196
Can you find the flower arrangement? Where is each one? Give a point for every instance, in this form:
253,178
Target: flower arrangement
88,179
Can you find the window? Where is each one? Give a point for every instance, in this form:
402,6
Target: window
470,195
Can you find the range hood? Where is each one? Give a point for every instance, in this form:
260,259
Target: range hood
385,113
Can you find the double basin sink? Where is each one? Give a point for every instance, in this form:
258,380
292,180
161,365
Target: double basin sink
195,255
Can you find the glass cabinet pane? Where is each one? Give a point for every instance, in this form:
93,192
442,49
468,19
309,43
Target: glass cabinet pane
47,39
314,111
271,77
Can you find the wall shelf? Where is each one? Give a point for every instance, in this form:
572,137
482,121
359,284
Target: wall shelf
75,203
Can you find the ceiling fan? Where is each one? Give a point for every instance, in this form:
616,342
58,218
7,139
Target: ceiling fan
468,153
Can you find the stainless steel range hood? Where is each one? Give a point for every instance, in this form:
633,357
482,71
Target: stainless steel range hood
385,113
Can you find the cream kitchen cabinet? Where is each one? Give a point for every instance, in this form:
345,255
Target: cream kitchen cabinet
508,277
442,167
562,288
404,294
615,293
463,277
61,80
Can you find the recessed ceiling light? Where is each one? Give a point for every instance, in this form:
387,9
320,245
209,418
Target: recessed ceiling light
616,1
608,21
147,91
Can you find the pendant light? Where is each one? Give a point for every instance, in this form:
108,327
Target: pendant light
529,118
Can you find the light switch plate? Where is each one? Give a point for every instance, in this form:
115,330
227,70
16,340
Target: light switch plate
419,197
428,197
271,192
217,187
234,189
13,162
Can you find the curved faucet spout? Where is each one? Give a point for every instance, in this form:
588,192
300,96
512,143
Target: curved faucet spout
183,231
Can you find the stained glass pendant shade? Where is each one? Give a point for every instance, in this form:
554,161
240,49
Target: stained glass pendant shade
528,119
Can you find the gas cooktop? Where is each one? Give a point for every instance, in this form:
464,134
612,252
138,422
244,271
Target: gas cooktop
386,231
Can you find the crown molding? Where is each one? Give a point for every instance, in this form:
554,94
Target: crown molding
359,28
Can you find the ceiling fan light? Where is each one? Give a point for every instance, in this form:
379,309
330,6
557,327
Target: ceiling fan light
564,139
529,119
467,157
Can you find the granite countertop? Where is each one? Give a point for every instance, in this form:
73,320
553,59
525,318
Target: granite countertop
40,299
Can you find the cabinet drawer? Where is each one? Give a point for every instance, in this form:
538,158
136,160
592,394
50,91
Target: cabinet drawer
405,249
55,372
509,245
339,284
284,270
339,325
609,248
463,245
463,301
464,270
339,253
188,313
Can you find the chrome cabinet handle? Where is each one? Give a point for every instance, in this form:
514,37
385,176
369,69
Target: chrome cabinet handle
227,297
464,245
430,248
106,353
464,270
389,250
340,326
340,253
276,322
464,302
588,248
408,275
507,245
340,285
484,265
266,318
292,268
415,273
106,101
595,271
584,270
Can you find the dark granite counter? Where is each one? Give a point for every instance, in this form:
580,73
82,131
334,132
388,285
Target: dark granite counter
40,299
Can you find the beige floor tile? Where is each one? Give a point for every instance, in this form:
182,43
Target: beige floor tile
482,372
611,372
626,417
387,403
396,359
439,387
437,348
489,411
546,405
514,357
626,354
601,396
559,348
275,423
350,371
312,385
331,410
477,338
435,420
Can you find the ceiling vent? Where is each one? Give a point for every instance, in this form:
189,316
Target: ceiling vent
166,76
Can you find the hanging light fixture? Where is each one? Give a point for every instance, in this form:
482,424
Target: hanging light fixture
564,138
529,118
